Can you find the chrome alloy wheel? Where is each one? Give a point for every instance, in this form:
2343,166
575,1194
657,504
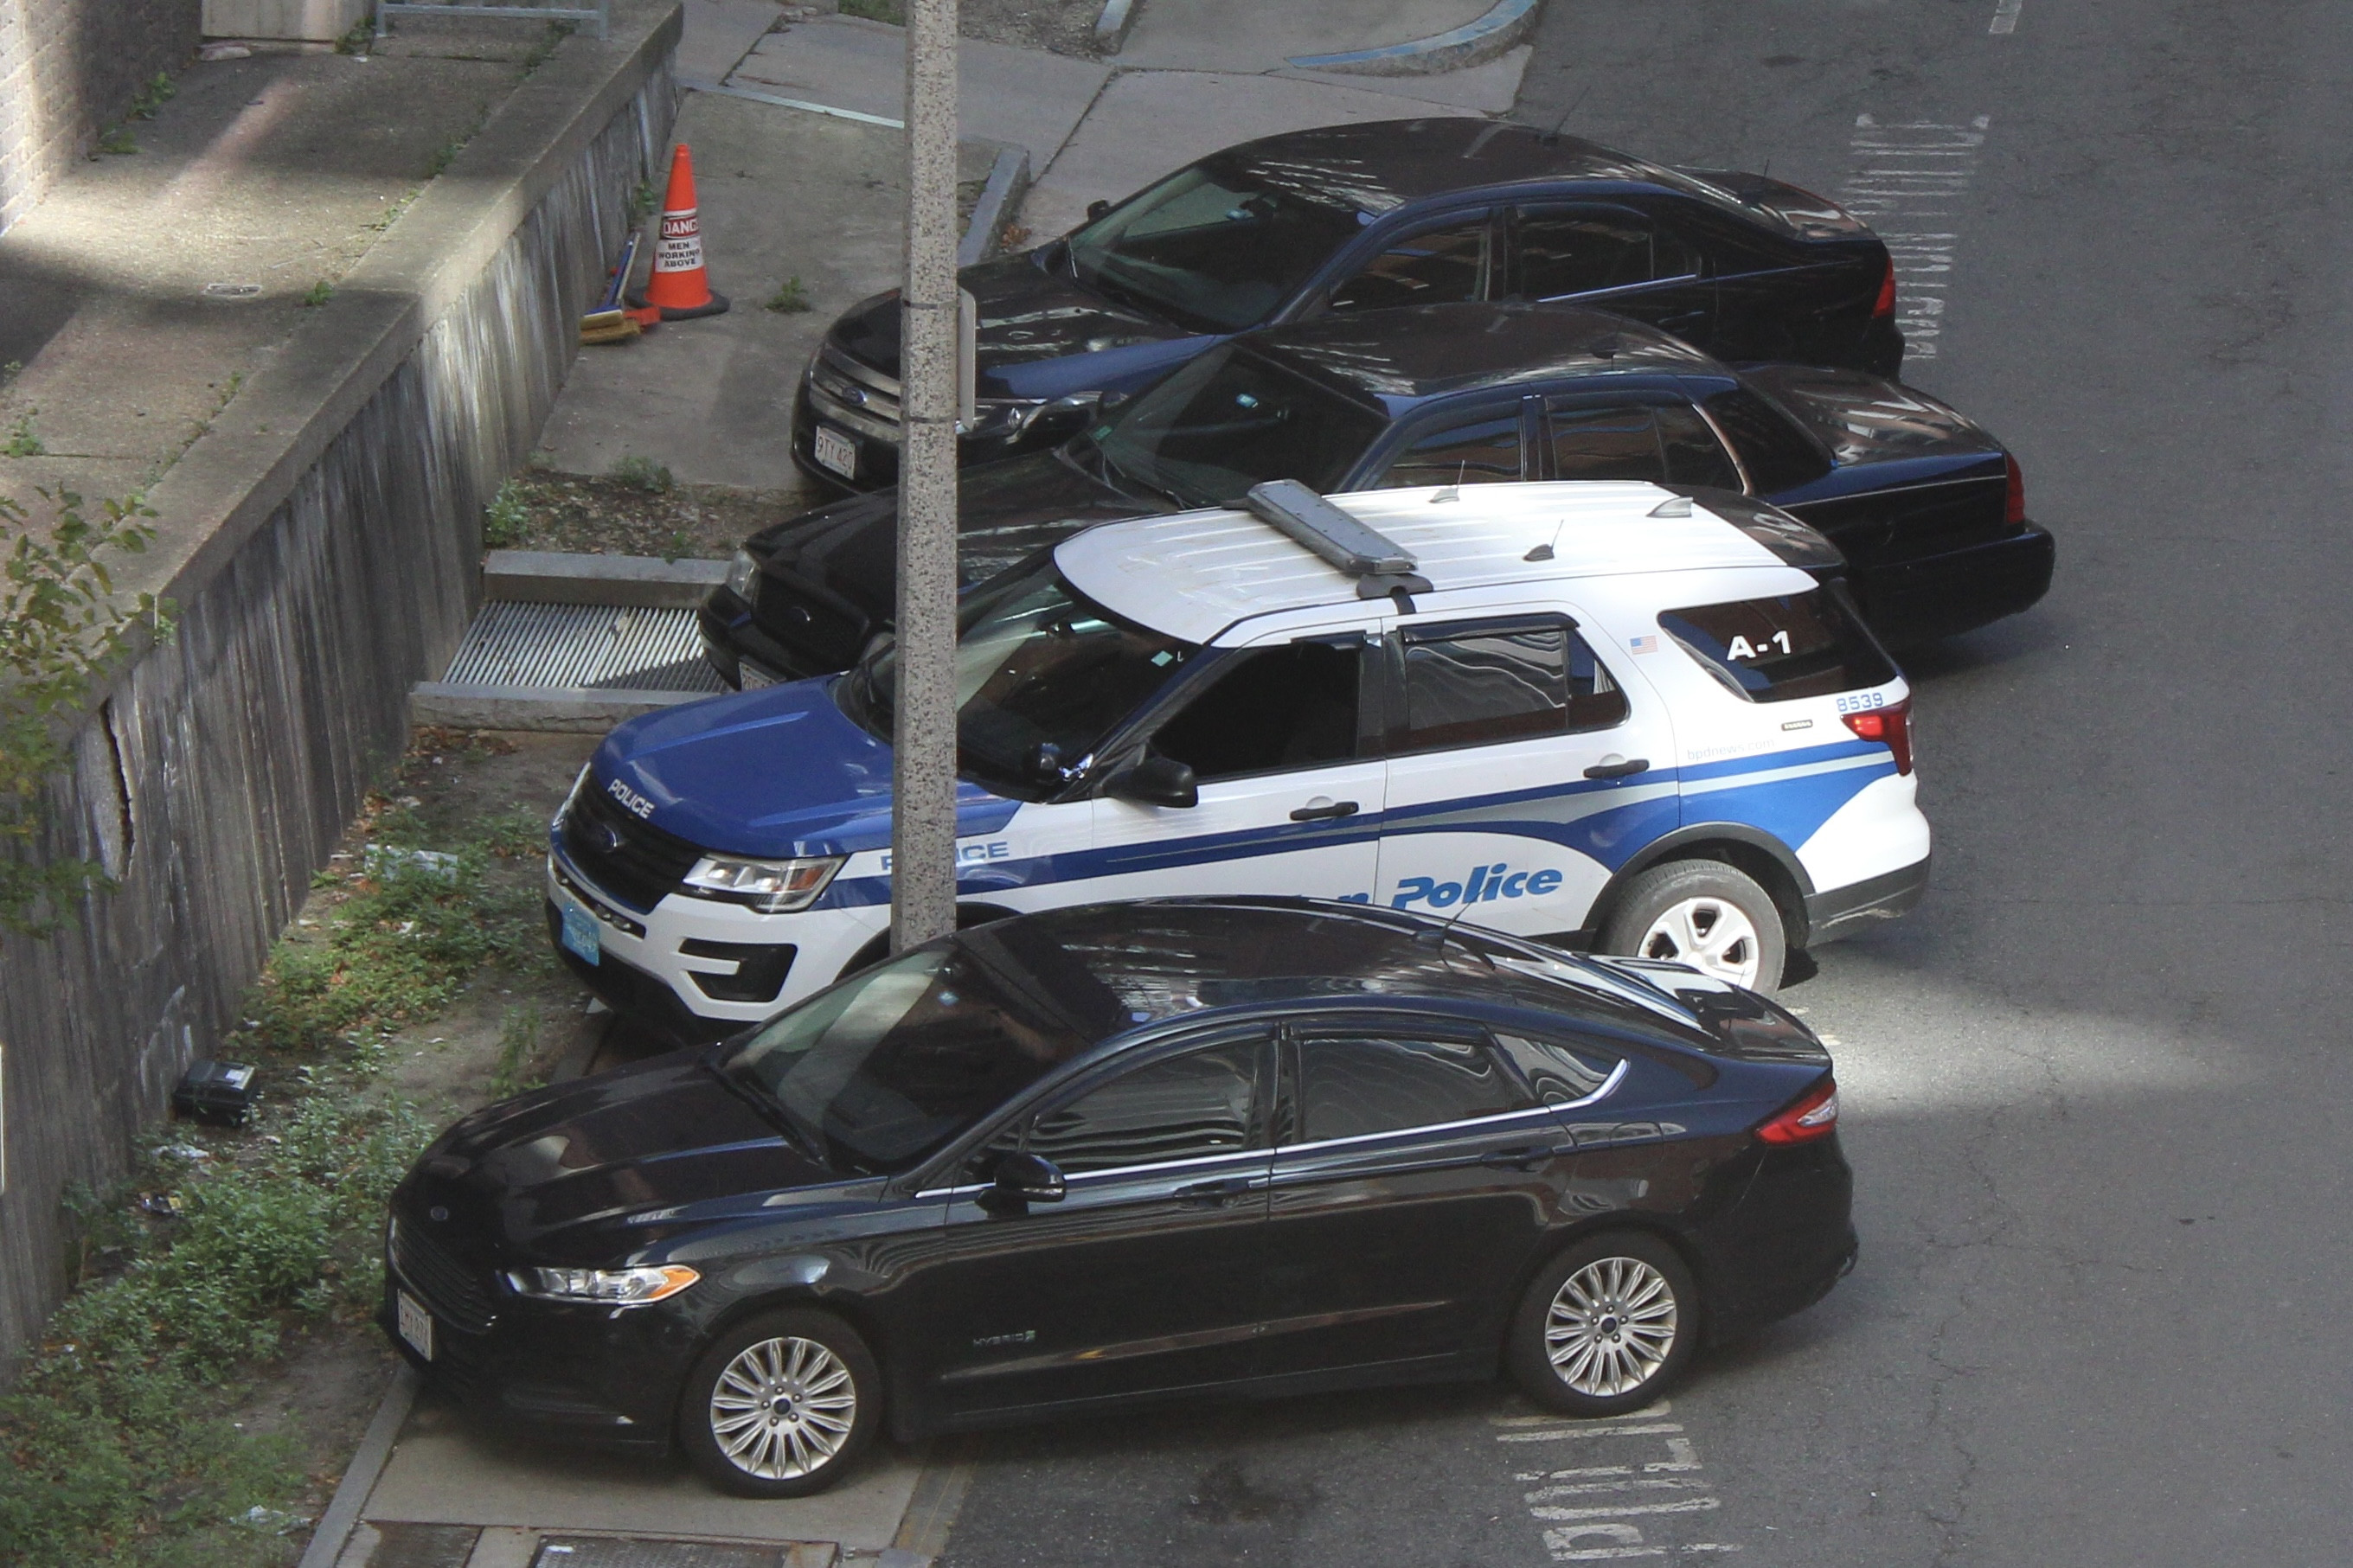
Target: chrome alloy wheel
1710,934
1611,1327
783,1408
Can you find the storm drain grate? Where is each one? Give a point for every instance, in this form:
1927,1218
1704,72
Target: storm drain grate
611,1551
595,645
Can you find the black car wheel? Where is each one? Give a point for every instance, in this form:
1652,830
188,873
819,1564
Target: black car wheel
1606,1328
1703,913
780,1405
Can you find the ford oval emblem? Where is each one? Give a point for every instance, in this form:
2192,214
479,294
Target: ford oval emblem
437,1214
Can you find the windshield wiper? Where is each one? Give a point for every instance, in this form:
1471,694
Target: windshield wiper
771,1109
1119,479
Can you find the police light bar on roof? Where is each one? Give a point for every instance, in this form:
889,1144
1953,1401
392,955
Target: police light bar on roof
1360,551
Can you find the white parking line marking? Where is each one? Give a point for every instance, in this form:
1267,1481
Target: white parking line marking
1611,1498
1558,1434
1905,172
2005,15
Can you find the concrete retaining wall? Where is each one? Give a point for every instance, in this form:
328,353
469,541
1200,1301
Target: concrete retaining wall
67,66
322,543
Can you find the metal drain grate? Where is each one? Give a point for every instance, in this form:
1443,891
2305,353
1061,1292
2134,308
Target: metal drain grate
608,1551
593,646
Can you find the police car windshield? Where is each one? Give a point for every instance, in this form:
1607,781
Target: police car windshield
1216,247
1042,674
886,1067
1230,420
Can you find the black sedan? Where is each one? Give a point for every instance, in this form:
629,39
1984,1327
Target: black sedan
1928,507
1075,1159
1350,218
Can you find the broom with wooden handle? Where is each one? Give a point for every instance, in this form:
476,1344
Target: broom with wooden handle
608,323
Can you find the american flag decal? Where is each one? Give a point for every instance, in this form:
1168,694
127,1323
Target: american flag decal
1643,645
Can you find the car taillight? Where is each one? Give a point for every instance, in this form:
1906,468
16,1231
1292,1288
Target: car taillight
1812,1115
2014,507
1891,726
1886,308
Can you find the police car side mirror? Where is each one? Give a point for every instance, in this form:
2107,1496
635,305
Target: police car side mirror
1154,781
1023,1179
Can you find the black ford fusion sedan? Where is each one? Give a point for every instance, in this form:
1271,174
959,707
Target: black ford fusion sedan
1077,1158
1928,509
1351,218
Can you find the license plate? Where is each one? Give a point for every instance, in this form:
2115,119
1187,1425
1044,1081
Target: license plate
837,451
415,1324
582,935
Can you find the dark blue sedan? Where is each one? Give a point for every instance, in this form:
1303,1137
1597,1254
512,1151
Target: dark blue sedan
1348,219
1926,508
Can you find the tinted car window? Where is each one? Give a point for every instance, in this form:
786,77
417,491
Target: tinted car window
1352,1086
1444,267
1694,457
1480,685
1574,250
1212,246
1485,450
1276,707
1228,421
1184,1108
1619,443
1665,442
1775,649
882,1068
1778,455
1561,1074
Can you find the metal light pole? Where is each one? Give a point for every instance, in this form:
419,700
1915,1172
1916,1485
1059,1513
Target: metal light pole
922,826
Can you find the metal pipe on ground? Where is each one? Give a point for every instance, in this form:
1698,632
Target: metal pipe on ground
923,827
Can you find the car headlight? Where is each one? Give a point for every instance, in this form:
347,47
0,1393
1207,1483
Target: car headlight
555,823
742,576
604,1286
771,887
1002,415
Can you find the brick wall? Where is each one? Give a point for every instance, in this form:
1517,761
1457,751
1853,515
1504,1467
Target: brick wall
70,67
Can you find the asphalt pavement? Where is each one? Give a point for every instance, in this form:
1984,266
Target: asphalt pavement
2095,1084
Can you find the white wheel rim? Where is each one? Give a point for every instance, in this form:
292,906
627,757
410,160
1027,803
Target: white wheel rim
783,1409
1713,935
1611,1327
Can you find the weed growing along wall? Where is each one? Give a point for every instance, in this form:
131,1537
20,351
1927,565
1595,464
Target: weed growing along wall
68,67
220,769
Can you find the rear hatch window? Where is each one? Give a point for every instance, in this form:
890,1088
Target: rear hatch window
1782,648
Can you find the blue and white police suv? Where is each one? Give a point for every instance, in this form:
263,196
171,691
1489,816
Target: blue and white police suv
1601,714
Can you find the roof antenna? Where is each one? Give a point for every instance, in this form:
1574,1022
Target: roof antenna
1544,552
1454,491
1437,938
1553,135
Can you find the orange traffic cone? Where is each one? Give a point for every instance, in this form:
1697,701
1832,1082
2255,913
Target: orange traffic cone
678,288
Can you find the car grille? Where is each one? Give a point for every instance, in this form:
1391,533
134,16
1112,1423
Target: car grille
857,394
631,861
459,1296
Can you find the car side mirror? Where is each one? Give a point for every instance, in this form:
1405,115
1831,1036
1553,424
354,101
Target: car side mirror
1022,1179
1154,781
1112,399
1096,209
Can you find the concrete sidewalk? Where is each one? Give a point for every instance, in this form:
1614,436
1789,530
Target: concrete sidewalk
455,1495
147,288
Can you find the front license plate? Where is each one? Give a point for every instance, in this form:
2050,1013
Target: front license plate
837,451
582,935
415,1324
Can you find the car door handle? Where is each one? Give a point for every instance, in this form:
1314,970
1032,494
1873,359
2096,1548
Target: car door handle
1526,1159
1213,1193
1623,768
1324,812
